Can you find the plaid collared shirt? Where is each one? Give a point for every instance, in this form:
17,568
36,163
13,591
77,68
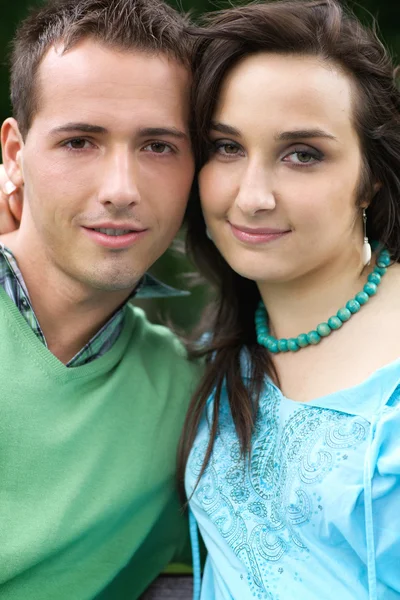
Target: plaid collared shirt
13,283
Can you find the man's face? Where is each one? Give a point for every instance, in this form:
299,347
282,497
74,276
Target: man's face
107,163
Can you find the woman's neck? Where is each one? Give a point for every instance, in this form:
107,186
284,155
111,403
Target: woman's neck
299,305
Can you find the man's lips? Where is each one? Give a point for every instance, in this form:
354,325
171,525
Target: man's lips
117,226
257,235
115,236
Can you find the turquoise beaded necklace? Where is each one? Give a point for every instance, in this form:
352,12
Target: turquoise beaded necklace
274,345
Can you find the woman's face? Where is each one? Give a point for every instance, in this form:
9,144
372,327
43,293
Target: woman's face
279,190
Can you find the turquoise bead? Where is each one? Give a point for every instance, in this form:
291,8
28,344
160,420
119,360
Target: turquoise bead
302,340
374,278
362,298
273,346
283,345
370,289
323,329
313,337
292,345
383,259
335,323
343,314
353,306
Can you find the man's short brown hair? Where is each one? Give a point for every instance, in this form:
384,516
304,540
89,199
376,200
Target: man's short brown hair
146,25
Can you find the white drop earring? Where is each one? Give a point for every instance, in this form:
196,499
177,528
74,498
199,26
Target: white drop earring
366,249
208,234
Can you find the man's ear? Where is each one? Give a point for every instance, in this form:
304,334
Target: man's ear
12,145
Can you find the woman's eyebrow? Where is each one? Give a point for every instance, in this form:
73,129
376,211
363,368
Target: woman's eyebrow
298,134
295,134
223,128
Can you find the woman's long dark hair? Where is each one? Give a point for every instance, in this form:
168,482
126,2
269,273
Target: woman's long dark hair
317,28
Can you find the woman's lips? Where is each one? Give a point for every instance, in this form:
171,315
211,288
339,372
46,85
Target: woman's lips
257,235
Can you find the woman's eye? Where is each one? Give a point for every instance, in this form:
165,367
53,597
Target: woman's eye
302,157
158,148
226,148
229,149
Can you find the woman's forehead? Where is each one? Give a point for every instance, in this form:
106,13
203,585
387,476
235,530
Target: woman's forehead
270,88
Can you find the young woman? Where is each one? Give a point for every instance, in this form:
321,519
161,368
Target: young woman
292,442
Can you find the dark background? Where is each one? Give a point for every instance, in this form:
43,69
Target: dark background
174,267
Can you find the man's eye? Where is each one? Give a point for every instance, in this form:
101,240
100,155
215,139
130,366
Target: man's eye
158,148
77,144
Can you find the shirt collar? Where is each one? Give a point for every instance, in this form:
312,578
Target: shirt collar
148,287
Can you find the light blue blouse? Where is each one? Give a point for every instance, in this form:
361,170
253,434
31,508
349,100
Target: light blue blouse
315,513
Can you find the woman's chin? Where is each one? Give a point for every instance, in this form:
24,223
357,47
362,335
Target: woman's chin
274,274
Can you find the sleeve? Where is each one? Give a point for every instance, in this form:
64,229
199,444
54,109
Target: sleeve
385,505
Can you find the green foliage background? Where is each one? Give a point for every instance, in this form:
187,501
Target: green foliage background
173,268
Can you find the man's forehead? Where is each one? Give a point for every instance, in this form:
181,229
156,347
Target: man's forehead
89,53
95,78
91,63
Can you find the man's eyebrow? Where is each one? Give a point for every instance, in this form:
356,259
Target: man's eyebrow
162,131
143,132
300,134
223,128
81,127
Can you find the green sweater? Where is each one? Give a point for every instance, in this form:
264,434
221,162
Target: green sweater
87,461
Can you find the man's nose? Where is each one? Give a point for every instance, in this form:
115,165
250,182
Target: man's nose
256,190
119,187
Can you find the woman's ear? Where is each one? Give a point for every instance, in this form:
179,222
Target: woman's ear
12,145
376,187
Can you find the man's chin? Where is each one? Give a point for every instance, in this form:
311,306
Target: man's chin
114,285
110,279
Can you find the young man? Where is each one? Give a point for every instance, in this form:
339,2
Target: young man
93,396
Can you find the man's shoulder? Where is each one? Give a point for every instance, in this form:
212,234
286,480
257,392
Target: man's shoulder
156,339
150,333
159,353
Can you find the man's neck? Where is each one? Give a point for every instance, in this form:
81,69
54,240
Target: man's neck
69,325
69,312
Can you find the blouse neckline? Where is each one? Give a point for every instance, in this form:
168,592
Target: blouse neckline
361,399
